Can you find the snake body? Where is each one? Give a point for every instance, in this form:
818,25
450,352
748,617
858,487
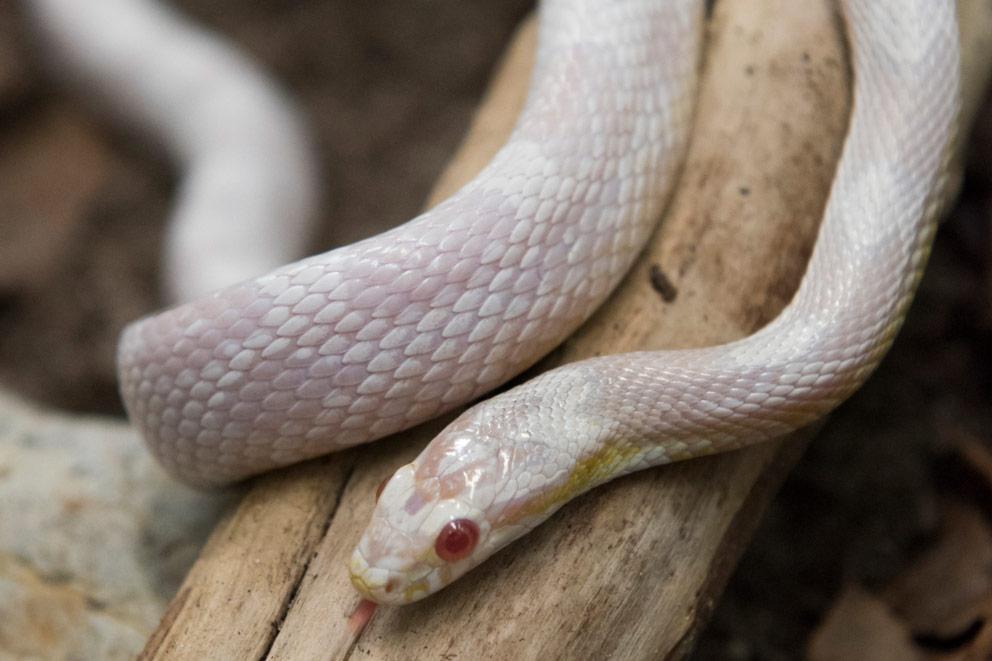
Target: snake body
505,465
366,340
248,191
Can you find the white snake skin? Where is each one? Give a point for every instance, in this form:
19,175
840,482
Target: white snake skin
360,342
366,340
248,193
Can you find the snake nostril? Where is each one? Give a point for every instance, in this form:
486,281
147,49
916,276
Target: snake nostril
390,585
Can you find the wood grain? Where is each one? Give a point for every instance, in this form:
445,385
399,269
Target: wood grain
632,569
230,604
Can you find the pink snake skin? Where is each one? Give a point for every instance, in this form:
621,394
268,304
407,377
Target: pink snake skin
360,342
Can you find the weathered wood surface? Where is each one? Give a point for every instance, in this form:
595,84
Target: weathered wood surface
632,569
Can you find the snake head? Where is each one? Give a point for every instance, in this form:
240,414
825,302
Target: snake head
433,520
484,481
397,561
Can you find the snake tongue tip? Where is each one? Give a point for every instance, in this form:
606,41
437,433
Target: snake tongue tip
361,616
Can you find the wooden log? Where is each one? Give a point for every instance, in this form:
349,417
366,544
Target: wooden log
633,568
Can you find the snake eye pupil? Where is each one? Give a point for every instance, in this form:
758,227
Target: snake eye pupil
456,540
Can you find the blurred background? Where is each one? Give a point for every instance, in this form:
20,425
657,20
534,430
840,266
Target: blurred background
881,537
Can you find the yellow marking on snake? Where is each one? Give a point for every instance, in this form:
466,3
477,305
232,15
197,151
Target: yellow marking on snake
589,471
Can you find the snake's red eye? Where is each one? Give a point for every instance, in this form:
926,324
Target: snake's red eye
456,540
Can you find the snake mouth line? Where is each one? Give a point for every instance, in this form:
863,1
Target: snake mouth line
387,586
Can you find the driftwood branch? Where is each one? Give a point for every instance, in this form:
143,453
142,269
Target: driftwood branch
633,568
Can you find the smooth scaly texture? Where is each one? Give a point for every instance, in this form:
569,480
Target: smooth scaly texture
510,462
369,339
248,192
